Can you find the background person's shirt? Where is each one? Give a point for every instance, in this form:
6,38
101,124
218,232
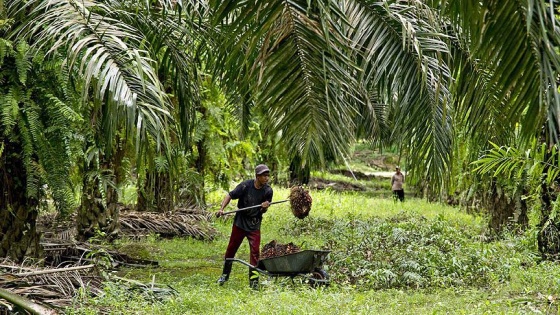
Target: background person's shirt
397,181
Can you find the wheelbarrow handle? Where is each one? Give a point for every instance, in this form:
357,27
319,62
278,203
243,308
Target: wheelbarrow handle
252,207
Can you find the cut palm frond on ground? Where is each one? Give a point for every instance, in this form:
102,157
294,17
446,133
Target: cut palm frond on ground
189,222
48,287
40,290
60,253
25,303
168,224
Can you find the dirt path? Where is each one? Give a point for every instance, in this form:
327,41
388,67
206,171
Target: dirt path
382,174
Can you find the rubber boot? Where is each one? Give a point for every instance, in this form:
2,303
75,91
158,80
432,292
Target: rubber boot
225,273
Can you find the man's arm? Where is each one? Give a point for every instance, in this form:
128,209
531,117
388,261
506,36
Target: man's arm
267,201
224,204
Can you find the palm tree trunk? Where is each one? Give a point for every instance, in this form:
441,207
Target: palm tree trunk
548,237
299,175
96,214
18,212
156,193
142,199
506,212
201,162
501,208
163,192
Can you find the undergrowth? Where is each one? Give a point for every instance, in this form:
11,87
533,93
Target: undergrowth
386,258
412,251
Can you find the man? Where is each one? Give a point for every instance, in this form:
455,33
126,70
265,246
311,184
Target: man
397,182
247,223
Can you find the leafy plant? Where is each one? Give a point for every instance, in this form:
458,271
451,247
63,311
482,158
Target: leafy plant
535,172
406,251
428,258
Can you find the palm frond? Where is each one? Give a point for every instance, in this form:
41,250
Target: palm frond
176,39
401,49
106,52
166,225
292,54
537,165
515,41
374,123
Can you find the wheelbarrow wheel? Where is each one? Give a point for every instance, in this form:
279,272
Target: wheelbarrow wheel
322,276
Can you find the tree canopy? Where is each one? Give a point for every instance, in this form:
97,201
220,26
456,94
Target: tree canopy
311,76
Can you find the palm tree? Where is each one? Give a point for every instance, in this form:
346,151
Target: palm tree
319,70
106,62
498,60
509,84
313,67
293,62
38,112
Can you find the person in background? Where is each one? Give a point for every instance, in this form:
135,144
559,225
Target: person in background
397,182
247,223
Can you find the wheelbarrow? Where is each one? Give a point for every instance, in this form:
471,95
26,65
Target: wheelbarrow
307,264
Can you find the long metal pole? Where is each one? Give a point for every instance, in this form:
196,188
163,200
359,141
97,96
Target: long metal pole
252,207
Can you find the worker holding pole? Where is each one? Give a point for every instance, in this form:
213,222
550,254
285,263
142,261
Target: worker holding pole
247,223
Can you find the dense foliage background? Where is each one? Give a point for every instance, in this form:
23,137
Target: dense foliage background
153,105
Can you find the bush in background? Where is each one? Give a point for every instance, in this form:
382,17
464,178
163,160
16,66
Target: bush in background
412,251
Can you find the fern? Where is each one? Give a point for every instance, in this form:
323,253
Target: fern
6,49
56,155
385,277
35,114
9,103
410,265
399,236
511,163
161,164
32,170
22,60
62,111
412,278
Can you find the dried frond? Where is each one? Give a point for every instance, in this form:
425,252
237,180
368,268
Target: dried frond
169,224
189,221
58,286
50,286
54,226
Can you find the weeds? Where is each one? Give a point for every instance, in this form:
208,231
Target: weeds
386,258
410,251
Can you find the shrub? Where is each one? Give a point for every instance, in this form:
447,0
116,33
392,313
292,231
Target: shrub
408,251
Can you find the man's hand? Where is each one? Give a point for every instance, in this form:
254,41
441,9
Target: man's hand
265,206
224,204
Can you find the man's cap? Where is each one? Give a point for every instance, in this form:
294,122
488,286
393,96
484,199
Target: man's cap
398,168
261,168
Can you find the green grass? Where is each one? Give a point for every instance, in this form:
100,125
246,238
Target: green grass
514,281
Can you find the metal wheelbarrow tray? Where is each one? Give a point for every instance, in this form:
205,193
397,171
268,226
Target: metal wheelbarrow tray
306,263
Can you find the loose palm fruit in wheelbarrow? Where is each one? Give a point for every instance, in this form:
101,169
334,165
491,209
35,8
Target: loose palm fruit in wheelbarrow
300,202
275,249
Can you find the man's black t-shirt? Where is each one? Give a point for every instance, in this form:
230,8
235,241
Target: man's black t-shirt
248,195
